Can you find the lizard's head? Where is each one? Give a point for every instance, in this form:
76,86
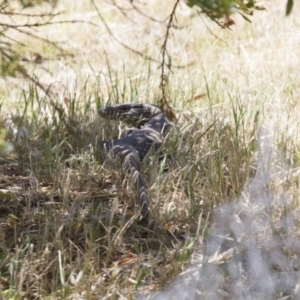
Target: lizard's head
115,112
132,114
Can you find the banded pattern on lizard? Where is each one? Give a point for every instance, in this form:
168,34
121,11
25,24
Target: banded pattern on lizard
152,125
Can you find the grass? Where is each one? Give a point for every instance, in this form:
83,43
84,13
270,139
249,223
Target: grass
230,200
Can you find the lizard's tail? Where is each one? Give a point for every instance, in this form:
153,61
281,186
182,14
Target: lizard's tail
131,165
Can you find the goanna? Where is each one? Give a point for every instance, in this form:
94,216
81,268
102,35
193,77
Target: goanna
151,127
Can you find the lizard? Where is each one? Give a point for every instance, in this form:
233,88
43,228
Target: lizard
151,125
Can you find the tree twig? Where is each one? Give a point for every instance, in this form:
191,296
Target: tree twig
167,65
126,46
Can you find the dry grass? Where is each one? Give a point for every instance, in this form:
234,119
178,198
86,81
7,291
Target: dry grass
230,201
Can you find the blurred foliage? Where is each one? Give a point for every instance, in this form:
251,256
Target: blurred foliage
220,11
31,3
16,21
27,3
5,147
289,7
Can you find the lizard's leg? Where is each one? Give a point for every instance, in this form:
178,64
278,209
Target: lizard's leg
162,155
129,131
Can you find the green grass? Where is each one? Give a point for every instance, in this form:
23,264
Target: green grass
69,225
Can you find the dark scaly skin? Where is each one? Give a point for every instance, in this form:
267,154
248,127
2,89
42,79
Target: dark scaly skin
132,149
